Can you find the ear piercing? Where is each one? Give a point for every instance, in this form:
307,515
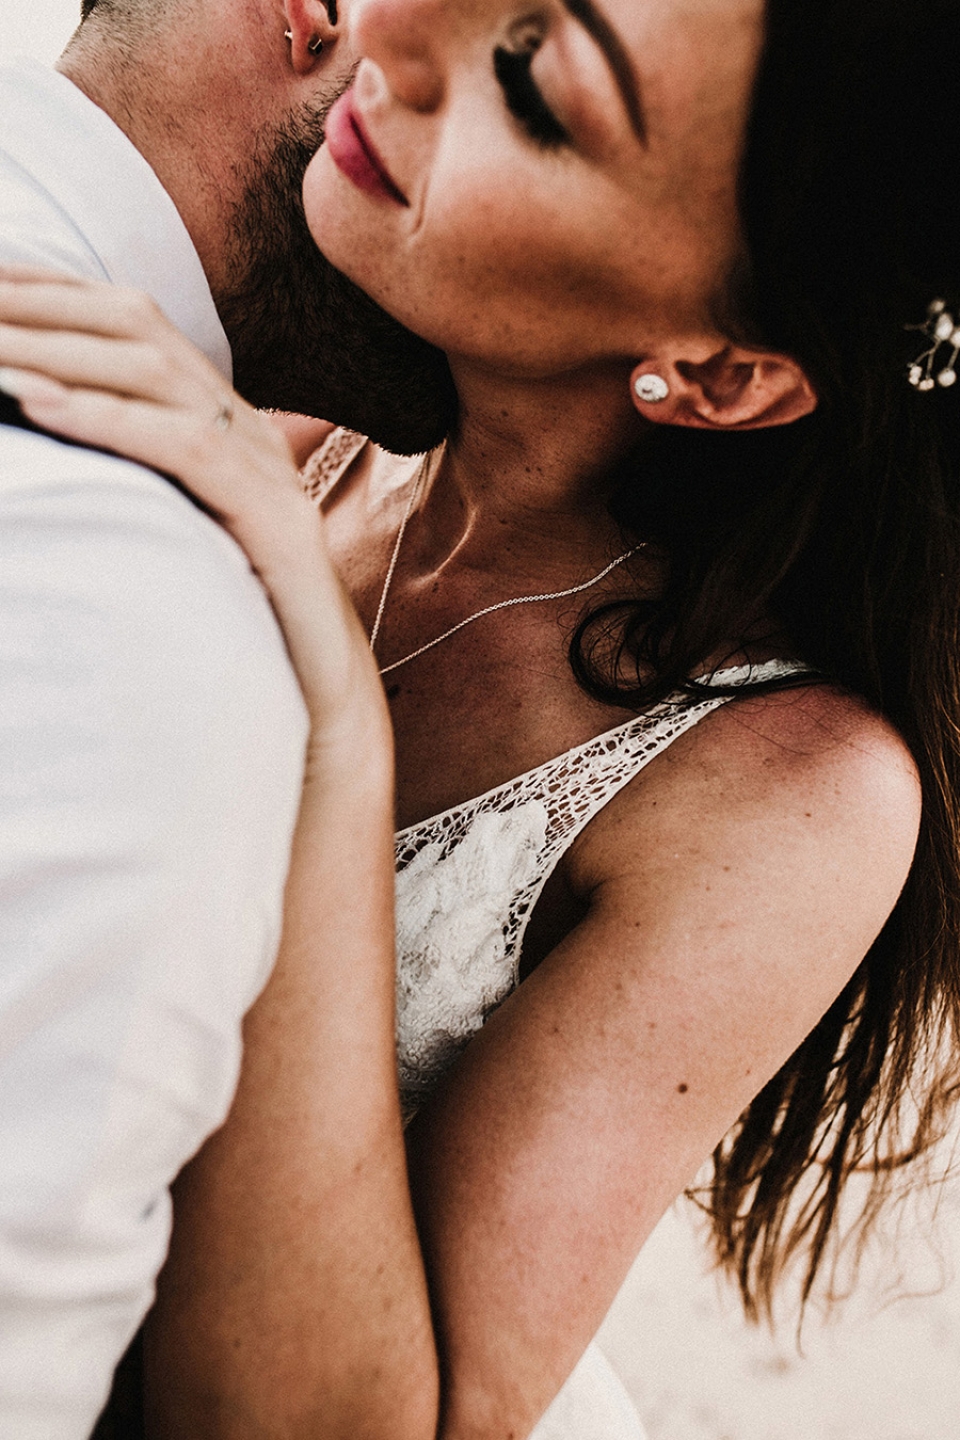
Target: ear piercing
315,45
651,389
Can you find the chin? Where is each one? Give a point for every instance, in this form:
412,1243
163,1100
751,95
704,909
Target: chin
305,339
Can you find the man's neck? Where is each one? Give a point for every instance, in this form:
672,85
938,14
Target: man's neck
187,141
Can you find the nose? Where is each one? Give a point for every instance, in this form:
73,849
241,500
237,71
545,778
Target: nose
406,40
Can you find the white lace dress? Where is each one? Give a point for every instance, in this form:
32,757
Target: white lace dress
467,882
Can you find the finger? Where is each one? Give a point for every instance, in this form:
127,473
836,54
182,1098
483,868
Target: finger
24,385
41,272
137,428
129,367
40,297
221,454
91,306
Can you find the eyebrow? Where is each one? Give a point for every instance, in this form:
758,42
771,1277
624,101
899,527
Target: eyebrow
598,26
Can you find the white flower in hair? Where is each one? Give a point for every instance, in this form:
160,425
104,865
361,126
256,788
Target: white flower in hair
940,329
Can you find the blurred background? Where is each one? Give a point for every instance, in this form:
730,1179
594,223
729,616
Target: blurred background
884,1366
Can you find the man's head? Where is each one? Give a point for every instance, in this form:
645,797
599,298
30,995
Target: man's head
228,111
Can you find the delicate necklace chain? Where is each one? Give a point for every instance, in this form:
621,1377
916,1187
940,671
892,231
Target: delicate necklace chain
418,485
415,488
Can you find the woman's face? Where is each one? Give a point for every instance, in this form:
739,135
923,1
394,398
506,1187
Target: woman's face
545,185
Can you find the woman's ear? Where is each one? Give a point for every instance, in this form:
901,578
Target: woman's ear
721,387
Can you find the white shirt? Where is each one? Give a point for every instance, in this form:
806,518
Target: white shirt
151,746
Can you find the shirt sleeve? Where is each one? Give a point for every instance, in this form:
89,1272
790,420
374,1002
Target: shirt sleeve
151,748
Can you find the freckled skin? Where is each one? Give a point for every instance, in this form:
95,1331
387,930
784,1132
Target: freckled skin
674,899
695,928
499,257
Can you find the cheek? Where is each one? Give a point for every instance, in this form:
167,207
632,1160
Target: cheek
520,266
359,235
515,272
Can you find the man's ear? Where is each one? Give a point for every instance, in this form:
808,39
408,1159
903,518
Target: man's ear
311,27
721,386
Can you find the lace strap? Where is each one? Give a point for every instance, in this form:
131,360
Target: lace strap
329,462
606,772
568,792
582,783
572,801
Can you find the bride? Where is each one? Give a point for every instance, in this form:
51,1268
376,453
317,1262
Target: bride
668,634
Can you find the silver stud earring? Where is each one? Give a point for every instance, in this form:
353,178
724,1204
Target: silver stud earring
651,389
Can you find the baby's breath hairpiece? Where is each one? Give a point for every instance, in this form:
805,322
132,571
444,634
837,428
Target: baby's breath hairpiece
940,329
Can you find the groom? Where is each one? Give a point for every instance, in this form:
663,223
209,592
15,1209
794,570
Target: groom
153,732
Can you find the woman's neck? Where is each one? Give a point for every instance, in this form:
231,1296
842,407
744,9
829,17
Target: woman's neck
525,478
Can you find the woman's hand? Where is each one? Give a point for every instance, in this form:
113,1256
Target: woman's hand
102,365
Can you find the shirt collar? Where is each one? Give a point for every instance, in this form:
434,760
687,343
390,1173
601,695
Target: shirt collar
96,175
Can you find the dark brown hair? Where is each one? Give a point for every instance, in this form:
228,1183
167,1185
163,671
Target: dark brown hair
844,530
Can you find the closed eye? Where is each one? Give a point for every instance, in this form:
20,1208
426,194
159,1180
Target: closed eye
513,69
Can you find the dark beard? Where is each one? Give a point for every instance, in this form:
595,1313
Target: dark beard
304,337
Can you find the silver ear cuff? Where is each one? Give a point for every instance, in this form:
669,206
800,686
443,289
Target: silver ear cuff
315,46
940,329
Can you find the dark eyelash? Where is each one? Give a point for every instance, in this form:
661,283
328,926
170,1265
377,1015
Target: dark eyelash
524,101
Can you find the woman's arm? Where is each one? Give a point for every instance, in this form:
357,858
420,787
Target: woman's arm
733,887
294,1277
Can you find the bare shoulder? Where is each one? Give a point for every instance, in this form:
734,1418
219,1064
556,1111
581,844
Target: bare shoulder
808,787
814,738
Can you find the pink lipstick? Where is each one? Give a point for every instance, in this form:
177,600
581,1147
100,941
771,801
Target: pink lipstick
354,155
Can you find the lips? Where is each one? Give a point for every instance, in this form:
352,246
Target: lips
354,155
